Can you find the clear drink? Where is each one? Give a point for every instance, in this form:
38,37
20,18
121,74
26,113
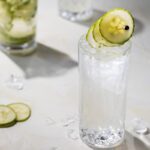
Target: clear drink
75,9
17,26
103,75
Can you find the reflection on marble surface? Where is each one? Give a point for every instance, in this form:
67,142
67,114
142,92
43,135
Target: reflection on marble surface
137,142
131,143
140,127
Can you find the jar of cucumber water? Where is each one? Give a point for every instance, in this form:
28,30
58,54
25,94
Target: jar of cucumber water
17,26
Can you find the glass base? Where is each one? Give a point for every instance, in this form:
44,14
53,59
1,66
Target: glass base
104,138
73,16
23,50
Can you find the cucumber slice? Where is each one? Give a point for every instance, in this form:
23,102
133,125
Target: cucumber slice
22,111
4,38
25,1
21,29
7,116
117,26
26,11
17,2
98,36
13,2
5,15
90,39
9,124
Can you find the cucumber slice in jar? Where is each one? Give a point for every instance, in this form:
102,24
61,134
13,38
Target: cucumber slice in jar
117,26
14,41
13,2
21,29
26,11
22,111
5,15
90,39
7,116
17,2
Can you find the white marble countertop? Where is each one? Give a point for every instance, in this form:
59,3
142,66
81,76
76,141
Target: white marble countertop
51,85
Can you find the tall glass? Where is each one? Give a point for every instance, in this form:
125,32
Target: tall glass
75,9
103,74
17,26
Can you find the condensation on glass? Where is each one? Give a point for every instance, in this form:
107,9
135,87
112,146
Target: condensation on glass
103,74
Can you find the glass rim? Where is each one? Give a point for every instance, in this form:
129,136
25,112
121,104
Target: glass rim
124,48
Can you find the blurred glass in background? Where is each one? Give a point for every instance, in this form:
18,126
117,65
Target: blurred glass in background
17,26
75,9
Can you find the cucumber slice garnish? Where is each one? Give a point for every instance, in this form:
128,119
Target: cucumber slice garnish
7,116
98,36
90,38
22,111
117,26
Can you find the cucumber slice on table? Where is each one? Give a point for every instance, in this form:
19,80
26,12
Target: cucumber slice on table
90,38
117,26
22,111
7,116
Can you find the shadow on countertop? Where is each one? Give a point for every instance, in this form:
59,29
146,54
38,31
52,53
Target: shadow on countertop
131,143
44,62
139,25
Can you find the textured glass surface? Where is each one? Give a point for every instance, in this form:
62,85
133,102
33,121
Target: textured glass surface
103,74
